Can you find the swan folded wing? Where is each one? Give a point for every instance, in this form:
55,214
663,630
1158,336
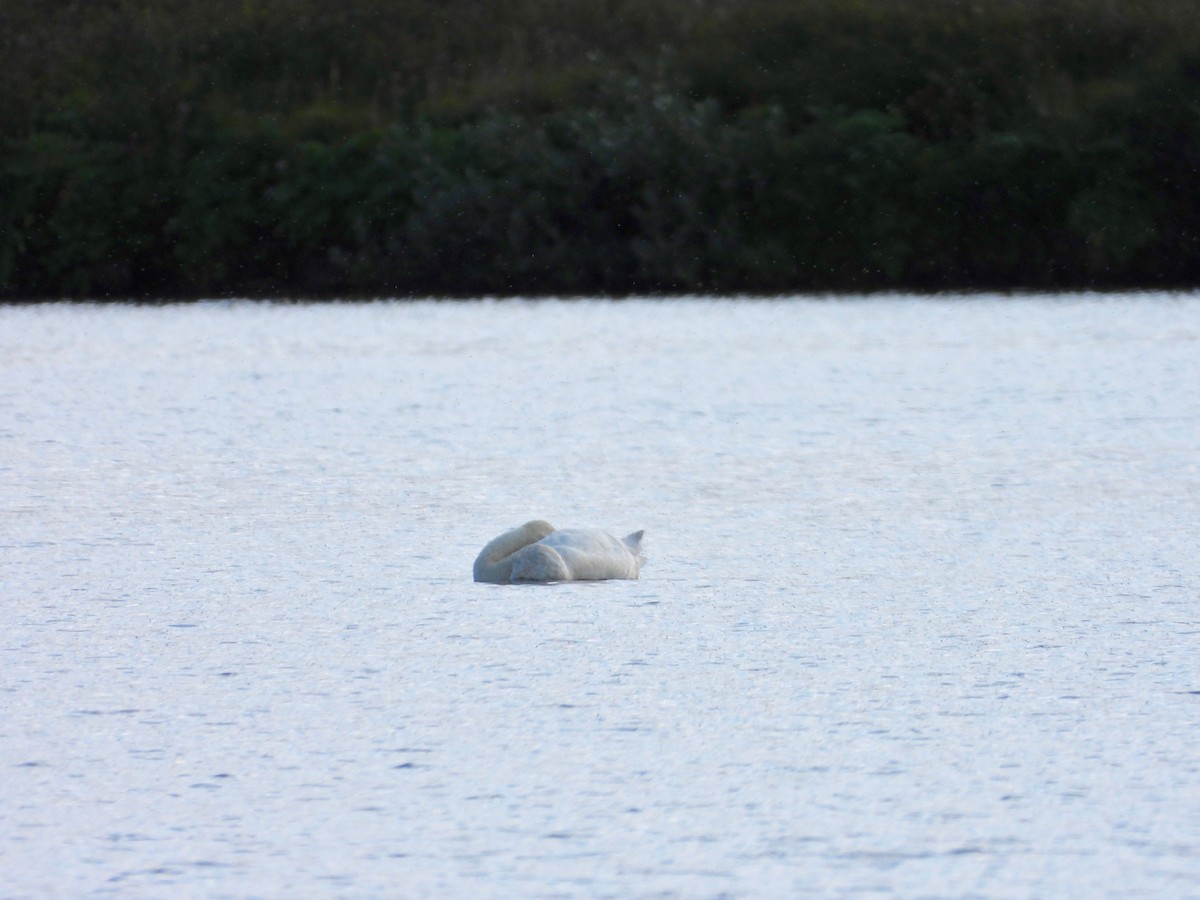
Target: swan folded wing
593,555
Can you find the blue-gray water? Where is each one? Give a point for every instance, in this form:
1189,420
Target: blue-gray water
921,614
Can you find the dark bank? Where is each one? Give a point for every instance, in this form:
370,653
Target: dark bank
299,148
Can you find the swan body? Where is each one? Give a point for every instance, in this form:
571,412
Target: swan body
537,552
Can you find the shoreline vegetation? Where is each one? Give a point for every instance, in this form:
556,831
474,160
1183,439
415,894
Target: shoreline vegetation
283,148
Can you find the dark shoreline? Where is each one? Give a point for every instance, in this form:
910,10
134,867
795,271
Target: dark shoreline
955,296
668,147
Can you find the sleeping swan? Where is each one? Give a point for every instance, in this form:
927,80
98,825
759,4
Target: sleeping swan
537,552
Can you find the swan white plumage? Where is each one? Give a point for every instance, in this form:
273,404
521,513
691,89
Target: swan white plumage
537,552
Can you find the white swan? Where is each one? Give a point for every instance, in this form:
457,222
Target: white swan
538,552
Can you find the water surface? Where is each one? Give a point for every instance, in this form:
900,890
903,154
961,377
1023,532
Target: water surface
921,614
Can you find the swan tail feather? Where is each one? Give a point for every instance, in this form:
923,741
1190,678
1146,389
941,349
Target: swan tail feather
634,543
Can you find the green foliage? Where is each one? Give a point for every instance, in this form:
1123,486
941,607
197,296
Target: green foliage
78,216
182,147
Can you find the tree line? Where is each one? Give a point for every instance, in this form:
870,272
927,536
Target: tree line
178,148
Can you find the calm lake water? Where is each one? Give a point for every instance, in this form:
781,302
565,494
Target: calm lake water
920,616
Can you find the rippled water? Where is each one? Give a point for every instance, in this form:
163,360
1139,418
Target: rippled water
921,614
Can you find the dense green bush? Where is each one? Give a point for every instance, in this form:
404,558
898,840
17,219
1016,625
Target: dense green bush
183,148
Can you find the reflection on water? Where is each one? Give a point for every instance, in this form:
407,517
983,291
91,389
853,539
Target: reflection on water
920,613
